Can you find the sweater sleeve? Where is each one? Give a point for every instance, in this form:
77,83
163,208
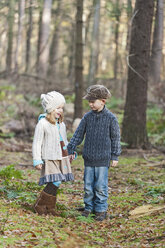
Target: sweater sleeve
115,139
37,144
77,137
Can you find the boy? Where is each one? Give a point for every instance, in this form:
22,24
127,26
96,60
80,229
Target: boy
102,144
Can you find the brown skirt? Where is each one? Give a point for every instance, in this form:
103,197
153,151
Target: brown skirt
56,170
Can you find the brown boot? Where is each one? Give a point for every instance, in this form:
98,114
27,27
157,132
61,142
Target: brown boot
50,206
40,204
51,191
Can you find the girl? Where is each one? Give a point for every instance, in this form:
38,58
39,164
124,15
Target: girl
49,151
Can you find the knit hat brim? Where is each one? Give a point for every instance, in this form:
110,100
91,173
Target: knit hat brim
51,101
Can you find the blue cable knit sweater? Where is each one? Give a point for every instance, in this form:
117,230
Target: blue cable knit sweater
102,138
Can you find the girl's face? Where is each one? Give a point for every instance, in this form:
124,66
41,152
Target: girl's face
58,111
97,105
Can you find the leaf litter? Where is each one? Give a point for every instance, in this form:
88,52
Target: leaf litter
130,194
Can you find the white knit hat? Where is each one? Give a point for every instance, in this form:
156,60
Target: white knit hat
51,101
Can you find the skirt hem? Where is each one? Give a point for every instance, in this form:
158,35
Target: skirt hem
56,177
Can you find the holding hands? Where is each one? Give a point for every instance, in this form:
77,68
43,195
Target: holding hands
71,157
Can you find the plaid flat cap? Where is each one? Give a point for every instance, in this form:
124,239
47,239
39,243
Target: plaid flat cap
97,91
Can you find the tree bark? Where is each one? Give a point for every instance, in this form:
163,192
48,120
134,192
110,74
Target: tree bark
157,46
71,54
117,17
78,61
134,124
44,46
93,65
129,15
39,34
53,54
29,34
10,36
19,36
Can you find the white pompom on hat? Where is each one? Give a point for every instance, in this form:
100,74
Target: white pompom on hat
51,101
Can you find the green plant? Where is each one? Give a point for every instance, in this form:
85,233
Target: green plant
155,124
70,98
9,172
156,190
134,181
115,103
88,219
7,135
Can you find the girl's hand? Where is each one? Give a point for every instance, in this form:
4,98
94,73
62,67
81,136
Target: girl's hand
39,166
114,163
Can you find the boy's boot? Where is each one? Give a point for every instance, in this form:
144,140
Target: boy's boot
86,213
51,191
40,204
100,216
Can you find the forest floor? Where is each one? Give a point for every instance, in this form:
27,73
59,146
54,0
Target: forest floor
137,183
136,213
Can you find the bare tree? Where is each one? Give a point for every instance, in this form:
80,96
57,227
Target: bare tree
117,23
29,35
156,56
54,55
21,4
79,61
93,65
71,54
10,36
134,124
39,34
44,45
129,14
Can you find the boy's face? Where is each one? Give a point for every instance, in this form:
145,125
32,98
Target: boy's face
97,105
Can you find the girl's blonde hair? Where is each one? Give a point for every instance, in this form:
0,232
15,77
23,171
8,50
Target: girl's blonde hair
50,117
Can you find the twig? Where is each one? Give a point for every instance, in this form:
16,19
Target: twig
145,157
134,16
133,68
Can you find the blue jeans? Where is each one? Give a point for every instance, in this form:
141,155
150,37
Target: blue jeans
96,188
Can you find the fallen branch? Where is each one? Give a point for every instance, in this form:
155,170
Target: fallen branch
156,164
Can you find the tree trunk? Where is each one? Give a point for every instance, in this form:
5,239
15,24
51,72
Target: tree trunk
134,124
93,65
39,34
19,36
129,14
10,36
117,17
156,56
79,61
29,34
71,54
53,55
44,46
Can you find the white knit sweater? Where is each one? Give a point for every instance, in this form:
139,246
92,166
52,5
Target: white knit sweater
46,142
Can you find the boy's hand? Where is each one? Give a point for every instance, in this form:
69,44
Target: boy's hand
114,163
39,166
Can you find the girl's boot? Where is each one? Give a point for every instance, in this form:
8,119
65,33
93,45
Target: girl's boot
51,190
50,206
46,202
40,204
